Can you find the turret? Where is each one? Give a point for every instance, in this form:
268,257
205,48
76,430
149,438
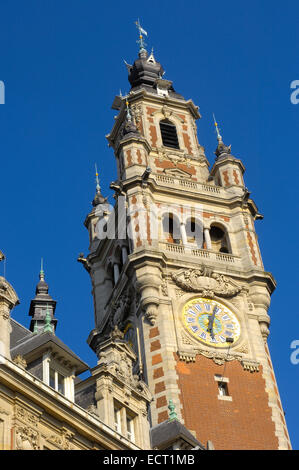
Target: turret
227,170
41,306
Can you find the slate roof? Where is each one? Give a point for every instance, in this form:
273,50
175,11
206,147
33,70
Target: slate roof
166,433
29,345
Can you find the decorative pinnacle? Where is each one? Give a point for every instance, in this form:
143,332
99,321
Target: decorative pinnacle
219,138
129,115
97,180
140,41
48,326
172,414
35,331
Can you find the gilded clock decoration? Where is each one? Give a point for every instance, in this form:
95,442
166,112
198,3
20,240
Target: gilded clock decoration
211,322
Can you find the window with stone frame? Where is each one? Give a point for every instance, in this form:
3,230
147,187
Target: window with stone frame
169,134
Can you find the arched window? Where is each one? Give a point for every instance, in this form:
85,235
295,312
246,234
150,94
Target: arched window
194,232
219,240
171,229
169,134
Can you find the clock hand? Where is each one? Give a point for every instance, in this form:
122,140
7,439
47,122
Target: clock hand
211,322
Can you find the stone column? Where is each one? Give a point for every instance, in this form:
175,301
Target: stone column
124,254
115,272
207,238
183,234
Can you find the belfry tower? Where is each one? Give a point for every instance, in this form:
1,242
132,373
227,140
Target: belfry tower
176,267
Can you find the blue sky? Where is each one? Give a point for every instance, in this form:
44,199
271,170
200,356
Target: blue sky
62,65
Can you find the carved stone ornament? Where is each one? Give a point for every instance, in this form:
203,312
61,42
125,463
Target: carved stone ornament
151,313
7,293
166,111
20,361
62,441
164,289
26,416
264,330
117,359
243,348
121,307
220,358
187,356
250,365
116,333
92,409
186,339
206,282
26,438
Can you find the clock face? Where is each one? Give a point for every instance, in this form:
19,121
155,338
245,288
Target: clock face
210,322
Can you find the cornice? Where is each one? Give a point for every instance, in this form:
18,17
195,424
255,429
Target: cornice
25,384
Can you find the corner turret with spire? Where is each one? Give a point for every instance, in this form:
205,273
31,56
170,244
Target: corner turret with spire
42,307
227,170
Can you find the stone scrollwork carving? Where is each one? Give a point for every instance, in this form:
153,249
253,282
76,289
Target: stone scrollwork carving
26,416
151,312
220,358
243,348
26,438
206,282
62,441
7,293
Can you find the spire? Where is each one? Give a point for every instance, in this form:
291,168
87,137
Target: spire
42,304
146,70
99,198
221,149
41,273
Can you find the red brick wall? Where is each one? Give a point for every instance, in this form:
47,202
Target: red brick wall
243,423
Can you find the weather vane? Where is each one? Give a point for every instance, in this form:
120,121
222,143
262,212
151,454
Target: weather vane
142,31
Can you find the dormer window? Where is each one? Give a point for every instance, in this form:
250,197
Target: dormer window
57,381
169,134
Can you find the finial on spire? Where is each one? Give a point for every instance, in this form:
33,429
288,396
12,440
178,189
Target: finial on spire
99,198
129,115
42,273
97,179
217,129
221,148
140,41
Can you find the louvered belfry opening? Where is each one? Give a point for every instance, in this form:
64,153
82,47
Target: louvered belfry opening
169,134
